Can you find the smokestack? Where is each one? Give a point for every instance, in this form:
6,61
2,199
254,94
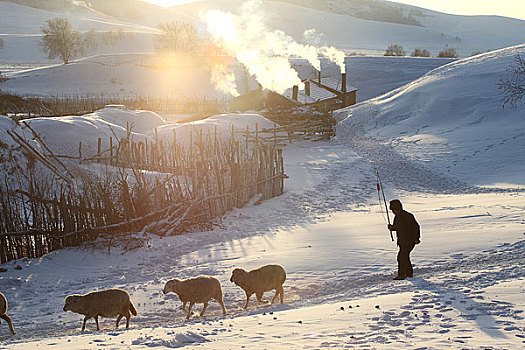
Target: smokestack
295,92
343,82
319,76
307,88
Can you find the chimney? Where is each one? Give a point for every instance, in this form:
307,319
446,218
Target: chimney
343,82
307,88
319,77
295,92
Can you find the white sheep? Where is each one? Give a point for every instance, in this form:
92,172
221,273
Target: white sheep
196,290
105,303
259,281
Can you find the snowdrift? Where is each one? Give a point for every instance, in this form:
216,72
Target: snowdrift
451,118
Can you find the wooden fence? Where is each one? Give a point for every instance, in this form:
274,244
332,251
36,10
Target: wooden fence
78,104
192,186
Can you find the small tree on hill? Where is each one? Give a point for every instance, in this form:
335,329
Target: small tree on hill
395,50
177,37
91,39
513,86
418,52
60,40
1,43
448,53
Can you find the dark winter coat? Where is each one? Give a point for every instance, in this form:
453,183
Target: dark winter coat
407,228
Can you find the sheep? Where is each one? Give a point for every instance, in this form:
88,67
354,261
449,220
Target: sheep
259,281
196,290
105,303
3,314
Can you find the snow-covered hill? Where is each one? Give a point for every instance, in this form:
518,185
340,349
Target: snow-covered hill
20,27
20,30
148,75
451,120
468,34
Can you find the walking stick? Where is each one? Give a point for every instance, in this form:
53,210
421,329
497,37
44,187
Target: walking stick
380,188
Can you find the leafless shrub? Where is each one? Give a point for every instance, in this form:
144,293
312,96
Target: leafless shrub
61,40
418,52
395,50
448,53
177,37
513,85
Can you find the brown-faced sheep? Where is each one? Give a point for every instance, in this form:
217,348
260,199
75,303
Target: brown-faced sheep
105,303
259,281
3,314
196,290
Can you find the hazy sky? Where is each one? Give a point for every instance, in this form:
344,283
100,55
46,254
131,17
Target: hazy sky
509,8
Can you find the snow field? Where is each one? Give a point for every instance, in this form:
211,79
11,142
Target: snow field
327,230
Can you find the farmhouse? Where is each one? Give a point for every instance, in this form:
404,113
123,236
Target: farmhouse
327,93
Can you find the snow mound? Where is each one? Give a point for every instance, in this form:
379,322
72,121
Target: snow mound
63,134
220,124
452,118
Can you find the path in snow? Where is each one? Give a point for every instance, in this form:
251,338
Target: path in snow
338,180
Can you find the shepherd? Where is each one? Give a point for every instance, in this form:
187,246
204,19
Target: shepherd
408,235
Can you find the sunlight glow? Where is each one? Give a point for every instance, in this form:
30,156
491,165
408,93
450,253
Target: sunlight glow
169,3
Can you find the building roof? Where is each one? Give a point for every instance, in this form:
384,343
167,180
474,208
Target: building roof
317,93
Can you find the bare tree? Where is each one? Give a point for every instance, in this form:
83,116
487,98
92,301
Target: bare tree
513,85
448,53
177,37
60,40
418,52
91,39
395,50
1,43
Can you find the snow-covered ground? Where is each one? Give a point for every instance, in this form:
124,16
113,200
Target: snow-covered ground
329,233
20,29
132,75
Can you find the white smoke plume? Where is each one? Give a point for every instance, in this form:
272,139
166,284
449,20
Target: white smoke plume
263,52
224,79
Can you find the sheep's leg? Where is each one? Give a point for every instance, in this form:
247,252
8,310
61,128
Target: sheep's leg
184,306
259,298
128,317
281,291
84,324
275,295
9,322
221,302
189,309
118,320
204,308
96,320
247,300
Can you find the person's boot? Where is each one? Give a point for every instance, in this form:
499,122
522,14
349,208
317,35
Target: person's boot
399,277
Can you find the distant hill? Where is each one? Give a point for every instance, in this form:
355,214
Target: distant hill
374,10
369,26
